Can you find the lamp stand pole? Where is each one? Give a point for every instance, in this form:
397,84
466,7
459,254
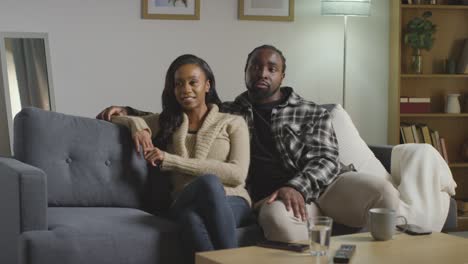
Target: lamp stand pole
344,60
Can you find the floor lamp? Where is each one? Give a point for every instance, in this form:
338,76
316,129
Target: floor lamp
345,8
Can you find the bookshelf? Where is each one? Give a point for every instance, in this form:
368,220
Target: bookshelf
434,82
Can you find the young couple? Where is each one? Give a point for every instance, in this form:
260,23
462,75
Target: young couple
289,143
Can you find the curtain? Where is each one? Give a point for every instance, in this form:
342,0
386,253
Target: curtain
31,71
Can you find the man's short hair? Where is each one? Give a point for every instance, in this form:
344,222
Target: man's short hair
270,47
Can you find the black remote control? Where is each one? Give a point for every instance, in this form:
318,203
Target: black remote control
344,253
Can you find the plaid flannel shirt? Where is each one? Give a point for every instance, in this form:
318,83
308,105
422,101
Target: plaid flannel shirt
304,137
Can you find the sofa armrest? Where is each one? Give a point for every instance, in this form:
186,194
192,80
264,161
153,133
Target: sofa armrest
23,193
383,154
23,204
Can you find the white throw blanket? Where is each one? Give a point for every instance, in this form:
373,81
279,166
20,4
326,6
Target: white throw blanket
425,183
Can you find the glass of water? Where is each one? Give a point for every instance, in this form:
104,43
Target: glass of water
319,228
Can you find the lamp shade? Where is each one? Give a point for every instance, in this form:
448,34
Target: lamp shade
345,7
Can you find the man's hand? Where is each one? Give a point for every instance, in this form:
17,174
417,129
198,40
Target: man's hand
292,199
143,139
154,156
110,111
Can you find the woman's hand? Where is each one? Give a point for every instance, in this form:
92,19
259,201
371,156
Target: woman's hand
154,156
110,111
143,138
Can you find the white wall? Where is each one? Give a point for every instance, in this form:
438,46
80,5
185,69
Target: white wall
103,53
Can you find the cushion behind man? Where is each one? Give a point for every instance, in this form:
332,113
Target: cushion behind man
352,148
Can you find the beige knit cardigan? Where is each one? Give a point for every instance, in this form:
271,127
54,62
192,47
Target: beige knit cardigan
220,147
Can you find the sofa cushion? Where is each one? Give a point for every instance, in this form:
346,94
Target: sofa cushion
88,162
352,148
102,235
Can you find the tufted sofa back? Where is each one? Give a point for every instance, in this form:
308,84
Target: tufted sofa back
88,162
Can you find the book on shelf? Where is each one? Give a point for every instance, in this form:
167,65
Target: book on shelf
426,134
408,99
407,133
421,133
402,136
415,105
411,133
419,99
418,137
443,147
462,67
435,140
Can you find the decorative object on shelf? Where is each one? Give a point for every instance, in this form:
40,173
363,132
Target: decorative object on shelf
419,35
266,10
416,61
452,105
171,9
345,8
462,67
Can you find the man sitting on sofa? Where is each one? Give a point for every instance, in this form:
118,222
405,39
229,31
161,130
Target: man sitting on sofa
294,171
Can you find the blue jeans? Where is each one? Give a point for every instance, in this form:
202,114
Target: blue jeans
207,217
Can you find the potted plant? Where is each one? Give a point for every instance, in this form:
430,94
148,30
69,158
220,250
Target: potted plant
419,35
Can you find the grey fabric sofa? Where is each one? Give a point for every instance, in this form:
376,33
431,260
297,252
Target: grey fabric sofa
76,192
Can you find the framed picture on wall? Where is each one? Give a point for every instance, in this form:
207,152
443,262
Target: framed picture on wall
266,10
171,9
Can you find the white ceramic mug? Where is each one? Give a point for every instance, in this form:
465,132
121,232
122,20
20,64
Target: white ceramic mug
382,223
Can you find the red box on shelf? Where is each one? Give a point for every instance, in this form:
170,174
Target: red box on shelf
415,105
415,108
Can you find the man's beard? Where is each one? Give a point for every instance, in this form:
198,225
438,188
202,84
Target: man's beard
259,94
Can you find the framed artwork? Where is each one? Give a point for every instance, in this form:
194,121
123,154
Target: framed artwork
266,10
171,9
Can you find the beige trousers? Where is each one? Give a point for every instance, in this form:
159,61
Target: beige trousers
347,201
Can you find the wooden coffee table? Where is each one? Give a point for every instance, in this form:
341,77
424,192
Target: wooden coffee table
435,248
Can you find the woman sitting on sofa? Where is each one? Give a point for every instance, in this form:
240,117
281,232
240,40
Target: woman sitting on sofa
207,153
